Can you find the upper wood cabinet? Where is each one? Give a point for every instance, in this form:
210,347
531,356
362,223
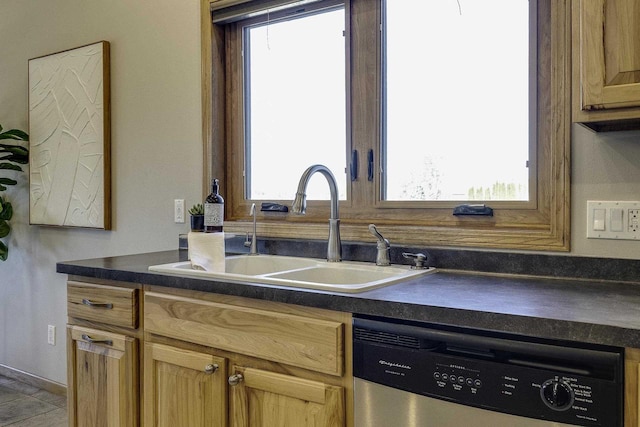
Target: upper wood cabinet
606,58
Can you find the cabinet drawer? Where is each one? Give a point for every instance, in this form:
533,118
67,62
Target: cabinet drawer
104,304
309,343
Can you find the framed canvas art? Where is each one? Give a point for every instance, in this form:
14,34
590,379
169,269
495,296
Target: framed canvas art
69,130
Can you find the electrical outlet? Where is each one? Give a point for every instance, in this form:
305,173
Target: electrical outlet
619,220
634,221
178,211
51,335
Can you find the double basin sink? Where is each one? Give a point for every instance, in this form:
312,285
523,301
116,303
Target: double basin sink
297,272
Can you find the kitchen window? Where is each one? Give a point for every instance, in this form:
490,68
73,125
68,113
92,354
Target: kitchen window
344,102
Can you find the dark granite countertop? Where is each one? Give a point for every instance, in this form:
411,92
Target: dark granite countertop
582,310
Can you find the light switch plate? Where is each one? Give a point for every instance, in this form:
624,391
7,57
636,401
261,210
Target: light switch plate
178,211
51,334
618,220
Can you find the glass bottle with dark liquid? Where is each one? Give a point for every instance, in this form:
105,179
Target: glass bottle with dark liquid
214,210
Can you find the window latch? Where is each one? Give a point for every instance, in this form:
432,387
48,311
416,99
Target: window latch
473,210
354,165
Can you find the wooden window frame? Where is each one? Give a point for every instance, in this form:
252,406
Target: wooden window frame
541,225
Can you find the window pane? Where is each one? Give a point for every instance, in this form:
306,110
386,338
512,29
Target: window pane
295,104
457,100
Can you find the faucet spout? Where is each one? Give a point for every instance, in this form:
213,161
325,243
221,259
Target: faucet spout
254,239
334,248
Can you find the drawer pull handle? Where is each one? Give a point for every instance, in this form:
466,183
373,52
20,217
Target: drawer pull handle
88,339
210,369
90,303
235,379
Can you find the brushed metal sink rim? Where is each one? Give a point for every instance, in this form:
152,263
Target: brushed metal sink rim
298,272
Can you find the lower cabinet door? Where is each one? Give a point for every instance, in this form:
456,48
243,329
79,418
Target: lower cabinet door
103,378
261,398
183,388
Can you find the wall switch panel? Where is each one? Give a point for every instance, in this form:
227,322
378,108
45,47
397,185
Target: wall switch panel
613,220
178,211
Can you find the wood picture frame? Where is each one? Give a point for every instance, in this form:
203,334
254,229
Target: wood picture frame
70,138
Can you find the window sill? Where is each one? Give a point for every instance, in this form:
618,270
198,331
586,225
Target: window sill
472,237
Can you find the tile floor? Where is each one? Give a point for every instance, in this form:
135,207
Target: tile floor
22,405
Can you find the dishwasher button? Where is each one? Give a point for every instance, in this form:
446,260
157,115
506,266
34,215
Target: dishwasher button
436,375
461,380
470,382
477,383
453,378
445,376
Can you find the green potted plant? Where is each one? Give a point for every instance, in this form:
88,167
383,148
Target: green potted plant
197,217
11,157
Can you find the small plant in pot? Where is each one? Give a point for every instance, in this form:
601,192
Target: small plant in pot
197,217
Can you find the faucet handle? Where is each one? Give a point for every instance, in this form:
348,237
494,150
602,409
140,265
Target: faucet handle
382,256
381,240
419,259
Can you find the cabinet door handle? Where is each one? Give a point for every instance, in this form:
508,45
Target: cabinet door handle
235,379
210,369
90,303
88,339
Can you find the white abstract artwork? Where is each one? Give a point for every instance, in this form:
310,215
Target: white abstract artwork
69,121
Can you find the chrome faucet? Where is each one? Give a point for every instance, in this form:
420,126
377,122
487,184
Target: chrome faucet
254,239
334,248
382,257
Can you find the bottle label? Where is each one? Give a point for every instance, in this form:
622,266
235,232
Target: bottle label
213,214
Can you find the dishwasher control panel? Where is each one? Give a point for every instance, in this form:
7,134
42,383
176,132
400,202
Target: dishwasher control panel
547,383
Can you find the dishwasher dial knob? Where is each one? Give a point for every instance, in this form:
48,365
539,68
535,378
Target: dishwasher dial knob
557,394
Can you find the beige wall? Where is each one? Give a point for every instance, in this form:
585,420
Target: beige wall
606,166
156,150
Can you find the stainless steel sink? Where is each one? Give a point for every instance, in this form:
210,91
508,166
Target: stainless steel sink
297,272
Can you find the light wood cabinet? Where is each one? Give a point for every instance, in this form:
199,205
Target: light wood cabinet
103,354
263,398
183,388
104,304
606,59
103,378
632,387
287,365
297,340
173,349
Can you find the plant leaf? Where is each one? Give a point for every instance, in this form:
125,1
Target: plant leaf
7,211
10,166
4,228
16,158
15,134
8,181
4,252
15,149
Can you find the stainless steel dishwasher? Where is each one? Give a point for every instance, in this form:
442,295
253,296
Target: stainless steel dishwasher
414,374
